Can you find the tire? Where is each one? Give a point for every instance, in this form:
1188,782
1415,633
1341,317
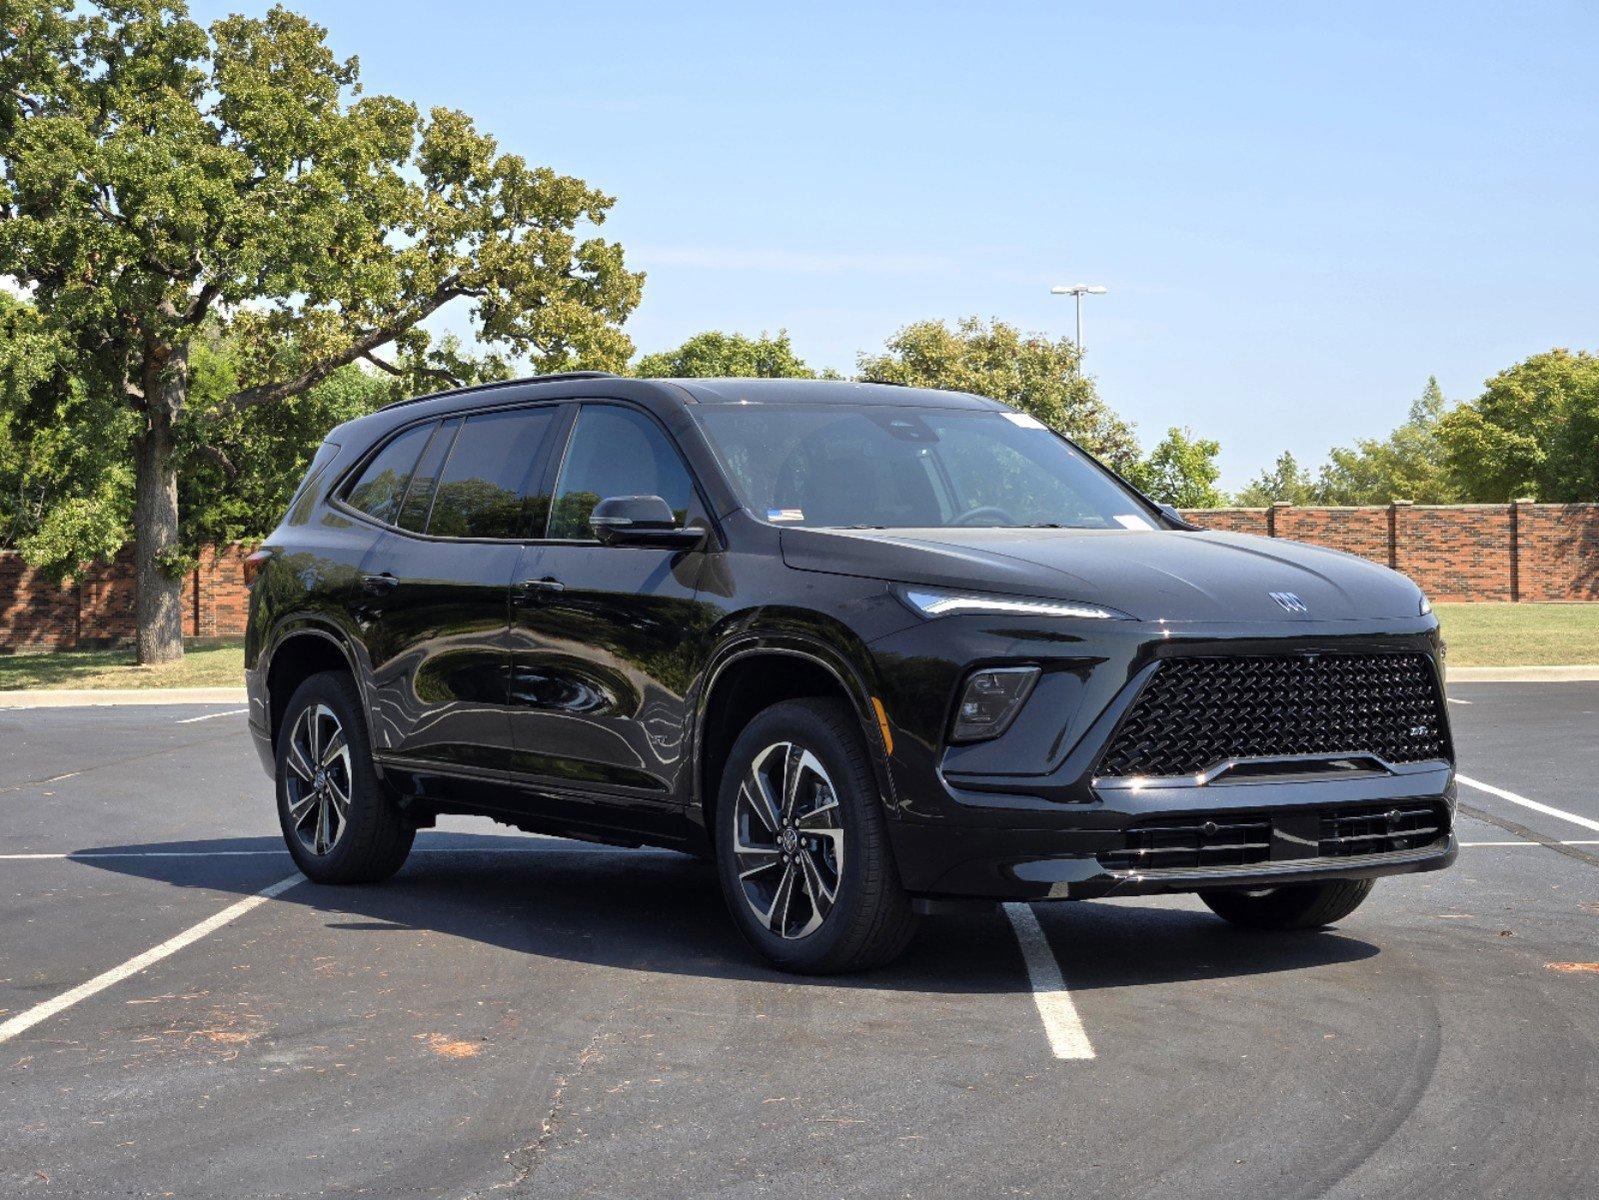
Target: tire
1292,906
844,844
370,839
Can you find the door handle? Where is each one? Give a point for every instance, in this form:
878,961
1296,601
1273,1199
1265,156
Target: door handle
376,585
531,590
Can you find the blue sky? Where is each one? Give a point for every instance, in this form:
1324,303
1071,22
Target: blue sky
1300,210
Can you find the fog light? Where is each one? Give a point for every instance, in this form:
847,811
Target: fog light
990,702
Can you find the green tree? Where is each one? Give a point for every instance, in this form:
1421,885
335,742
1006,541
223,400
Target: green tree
1409,464
238,466
1031,372
713,354
157,176
1533,432
1181,471
1286,480
65,487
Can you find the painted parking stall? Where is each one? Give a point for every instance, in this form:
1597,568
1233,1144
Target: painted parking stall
518,1013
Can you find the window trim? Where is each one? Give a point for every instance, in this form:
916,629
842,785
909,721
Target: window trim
569,435
433,495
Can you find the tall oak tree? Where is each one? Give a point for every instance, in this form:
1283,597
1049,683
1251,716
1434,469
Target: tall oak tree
156,175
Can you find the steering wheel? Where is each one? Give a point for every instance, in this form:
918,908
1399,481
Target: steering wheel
971,515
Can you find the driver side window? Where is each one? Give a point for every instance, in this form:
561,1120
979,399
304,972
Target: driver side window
615,451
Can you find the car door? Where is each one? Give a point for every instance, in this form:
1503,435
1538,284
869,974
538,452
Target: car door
605,638
437,602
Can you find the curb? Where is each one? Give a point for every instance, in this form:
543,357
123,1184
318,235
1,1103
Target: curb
1565,674
110,697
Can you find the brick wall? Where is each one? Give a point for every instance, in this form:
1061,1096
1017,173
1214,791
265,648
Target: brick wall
1531,552
96,609
1472,552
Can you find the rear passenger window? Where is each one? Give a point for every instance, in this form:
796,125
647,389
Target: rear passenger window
378,490
419,495
616,452
483,491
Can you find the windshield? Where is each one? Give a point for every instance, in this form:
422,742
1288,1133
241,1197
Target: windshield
879,467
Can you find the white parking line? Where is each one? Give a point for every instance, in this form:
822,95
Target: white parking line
1547,809
1529,842
232,712
1062,1025
1458,700
545,848
28,1018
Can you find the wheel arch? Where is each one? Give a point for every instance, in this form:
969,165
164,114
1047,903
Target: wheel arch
299,652
737,688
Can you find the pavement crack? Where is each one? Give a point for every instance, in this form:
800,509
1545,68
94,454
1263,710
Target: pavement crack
116,762
526,1159
1532,835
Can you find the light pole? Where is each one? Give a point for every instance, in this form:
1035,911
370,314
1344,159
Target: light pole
1079,290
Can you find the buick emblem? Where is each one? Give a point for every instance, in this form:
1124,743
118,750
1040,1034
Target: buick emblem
1289,602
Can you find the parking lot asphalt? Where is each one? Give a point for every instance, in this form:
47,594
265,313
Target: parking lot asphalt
513,1015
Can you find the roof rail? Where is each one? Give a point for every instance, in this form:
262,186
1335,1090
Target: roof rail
499,383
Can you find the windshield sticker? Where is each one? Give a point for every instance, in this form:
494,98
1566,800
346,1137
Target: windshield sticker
1025,421
1131,521
785,514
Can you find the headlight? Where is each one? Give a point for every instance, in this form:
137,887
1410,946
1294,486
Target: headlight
932,603
990,702
1426,605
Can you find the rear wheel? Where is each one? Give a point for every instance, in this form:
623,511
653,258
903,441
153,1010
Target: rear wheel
339,822
1292,906
802,845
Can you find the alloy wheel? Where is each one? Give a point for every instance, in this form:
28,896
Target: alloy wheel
788,840
319,779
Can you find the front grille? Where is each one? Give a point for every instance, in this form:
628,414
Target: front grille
1189,841
1346,832
1195,713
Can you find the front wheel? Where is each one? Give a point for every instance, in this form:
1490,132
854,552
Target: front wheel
339,822
802,846
1292,906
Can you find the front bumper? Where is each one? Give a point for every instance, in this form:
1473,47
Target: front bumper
1067,851
1025,817
1009,864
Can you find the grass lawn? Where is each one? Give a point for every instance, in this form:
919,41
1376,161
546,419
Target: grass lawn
1520,635
208,666
1479,635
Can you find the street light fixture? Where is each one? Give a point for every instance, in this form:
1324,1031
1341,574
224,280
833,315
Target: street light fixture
1079,290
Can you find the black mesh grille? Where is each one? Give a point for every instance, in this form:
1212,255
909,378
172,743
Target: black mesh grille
1197,712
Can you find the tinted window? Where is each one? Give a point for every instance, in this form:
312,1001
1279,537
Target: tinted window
419,495
896,468
481,492
616,452
381,485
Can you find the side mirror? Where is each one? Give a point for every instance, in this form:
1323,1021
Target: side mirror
1175,517
641,521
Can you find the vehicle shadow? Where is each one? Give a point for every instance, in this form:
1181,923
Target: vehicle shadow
658,911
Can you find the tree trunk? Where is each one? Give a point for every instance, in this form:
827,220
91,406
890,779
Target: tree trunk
158,603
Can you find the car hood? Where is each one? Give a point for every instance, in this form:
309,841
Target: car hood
1173,575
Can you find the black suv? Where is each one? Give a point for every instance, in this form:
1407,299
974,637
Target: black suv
878,651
